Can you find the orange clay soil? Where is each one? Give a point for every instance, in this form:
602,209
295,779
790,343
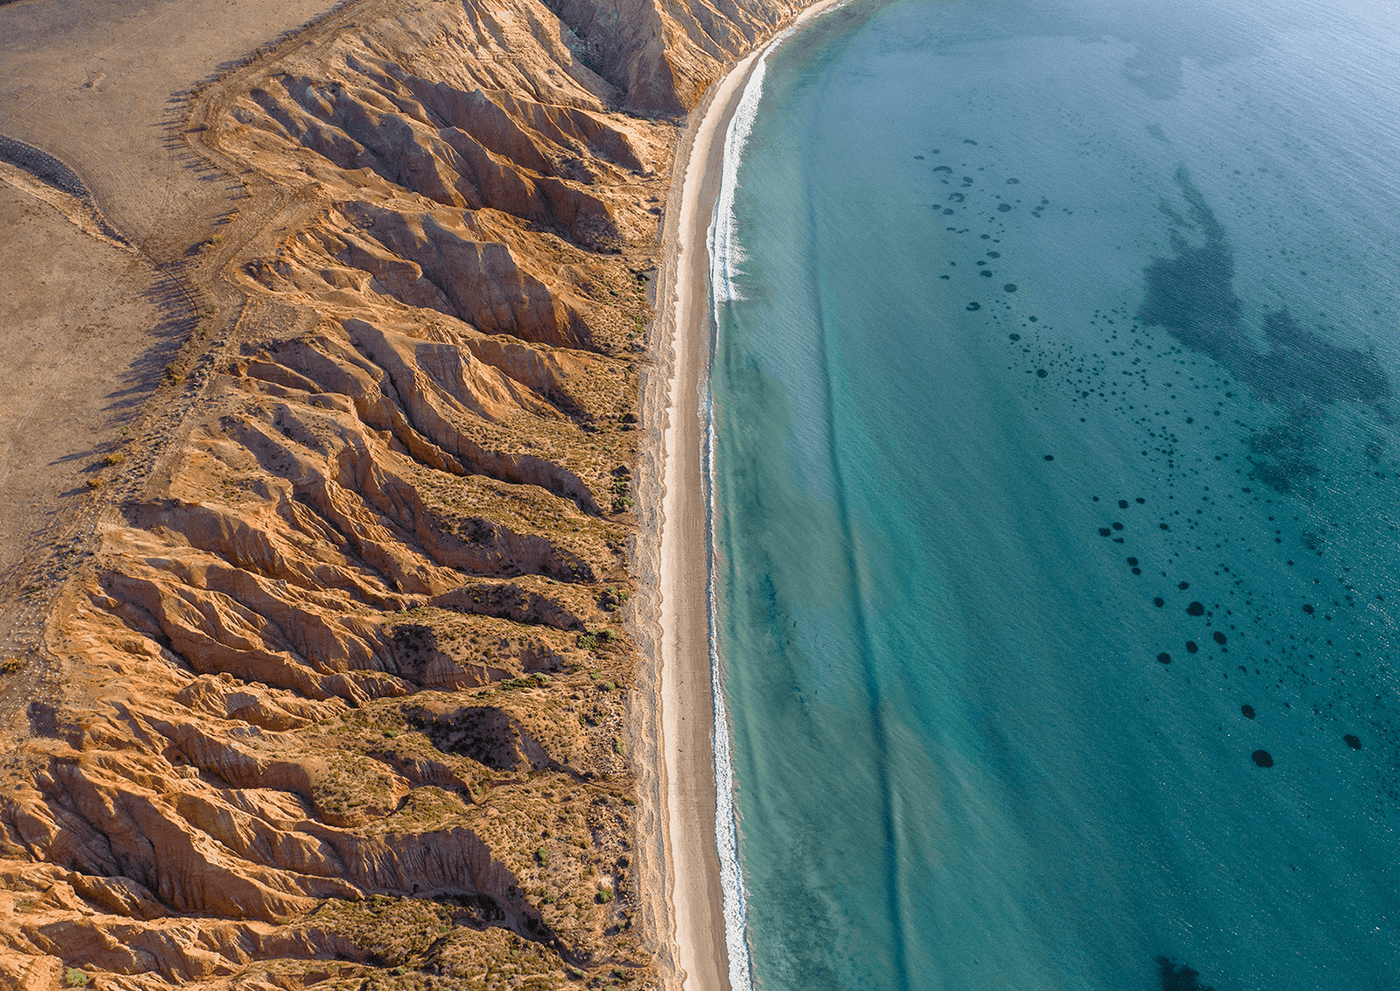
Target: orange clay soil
328,677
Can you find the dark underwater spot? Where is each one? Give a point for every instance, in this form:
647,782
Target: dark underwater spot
1122,503
1137,571
986,273
1353,741
1139,500
1010,287
1118,526
1164,526
1308,608
1305,363
948,213
956,198
1164,657
973,306
1132,562
1191,647
919,157
1105,532
1192,296
968,141
1041,373
1179,977
1032,319
1015,337
1003,207
1013,182
1284,454
943,168
1247,711
1195,609
1049,457
1219,637
1262,758
1159,602
1183,585
993,254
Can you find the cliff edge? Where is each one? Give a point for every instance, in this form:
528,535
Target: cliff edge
334,691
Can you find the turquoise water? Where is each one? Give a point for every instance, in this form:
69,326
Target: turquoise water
1056,517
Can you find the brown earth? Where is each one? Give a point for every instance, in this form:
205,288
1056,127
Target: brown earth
324,679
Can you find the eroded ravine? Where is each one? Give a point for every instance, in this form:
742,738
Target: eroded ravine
344,684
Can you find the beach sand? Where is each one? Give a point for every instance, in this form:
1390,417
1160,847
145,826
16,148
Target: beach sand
682,866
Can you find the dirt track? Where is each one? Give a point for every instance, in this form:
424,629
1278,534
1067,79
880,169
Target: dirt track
87,325
390,468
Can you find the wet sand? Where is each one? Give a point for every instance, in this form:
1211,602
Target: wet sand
686,701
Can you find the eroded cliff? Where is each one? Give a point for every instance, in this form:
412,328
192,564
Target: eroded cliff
344,682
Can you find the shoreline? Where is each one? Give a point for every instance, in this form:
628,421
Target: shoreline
233,194
686,910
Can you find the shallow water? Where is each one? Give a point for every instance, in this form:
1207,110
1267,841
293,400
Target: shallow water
1056,497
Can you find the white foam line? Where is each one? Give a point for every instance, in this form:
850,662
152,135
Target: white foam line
726,254
726,819
725,250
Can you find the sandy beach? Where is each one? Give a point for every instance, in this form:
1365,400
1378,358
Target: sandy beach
152,191
687,705
687,777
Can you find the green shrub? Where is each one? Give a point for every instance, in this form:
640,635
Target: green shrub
612,598
75,978
605,895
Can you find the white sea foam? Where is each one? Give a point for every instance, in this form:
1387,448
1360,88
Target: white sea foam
726,254
726,824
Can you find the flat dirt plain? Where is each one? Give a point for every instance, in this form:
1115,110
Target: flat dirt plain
323,661
86,320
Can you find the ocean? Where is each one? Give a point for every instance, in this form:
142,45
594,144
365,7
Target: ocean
1056,498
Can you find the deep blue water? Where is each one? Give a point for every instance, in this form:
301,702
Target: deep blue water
1056,472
